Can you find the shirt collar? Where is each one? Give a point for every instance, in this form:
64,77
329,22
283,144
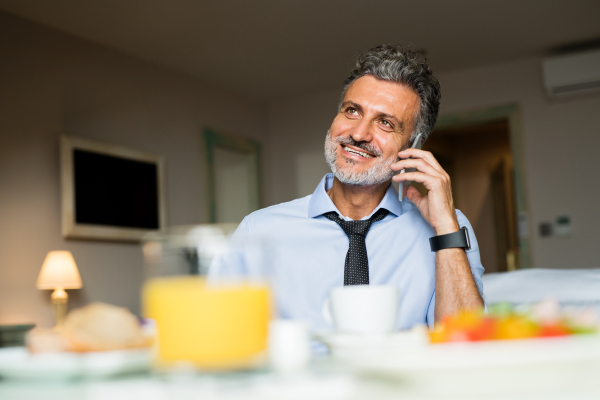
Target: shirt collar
320,203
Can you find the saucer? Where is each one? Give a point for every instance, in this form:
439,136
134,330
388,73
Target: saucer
358,346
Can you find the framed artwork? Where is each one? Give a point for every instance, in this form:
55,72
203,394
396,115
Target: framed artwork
110,192
233,184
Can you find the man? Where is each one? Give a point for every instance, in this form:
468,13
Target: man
353,229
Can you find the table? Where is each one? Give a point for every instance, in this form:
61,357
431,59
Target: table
327,378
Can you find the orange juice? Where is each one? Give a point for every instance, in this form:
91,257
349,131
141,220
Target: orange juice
212,327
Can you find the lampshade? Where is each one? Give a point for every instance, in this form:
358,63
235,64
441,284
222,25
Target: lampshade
59,270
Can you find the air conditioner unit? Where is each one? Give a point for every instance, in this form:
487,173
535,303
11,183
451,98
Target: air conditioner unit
572,74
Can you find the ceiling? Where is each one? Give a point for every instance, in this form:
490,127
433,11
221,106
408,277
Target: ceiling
267,49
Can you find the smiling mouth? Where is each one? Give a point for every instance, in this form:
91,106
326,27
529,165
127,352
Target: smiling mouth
357,152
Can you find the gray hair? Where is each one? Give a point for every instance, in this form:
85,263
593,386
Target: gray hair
408,67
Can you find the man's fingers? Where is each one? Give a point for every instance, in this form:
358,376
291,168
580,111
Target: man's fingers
420,165
422,154
429,181
414,195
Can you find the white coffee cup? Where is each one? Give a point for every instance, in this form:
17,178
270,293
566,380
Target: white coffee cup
362,308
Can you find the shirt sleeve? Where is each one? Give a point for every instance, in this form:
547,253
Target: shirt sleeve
474,262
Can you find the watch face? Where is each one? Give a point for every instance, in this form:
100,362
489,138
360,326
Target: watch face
464,228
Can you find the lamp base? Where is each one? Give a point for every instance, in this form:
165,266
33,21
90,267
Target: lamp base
60,299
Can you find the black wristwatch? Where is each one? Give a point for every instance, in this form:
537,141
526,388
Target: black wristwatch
459,238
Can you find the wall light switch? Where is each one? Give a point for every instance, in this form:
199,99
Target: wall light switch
562,227
545,229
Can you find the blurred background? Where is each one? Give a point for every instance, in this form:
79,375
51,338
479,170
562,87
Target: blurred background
519,139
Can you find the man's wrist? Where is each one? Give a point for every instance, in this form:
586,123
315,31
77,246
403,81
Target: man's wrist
446,229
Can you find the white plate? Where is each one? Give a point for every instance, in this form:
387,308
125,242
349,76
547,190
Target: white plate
17,362
565,365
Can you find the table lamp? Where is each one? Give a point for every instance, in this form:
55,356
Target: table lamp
59,272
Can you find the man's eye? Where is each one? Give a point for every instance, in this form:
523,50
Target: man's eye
385,123
351,110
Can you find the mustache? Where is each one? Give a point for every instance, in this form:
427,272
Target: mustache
361,145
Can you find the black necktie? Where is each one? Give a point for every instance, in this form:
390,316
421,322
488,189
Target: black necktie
356,267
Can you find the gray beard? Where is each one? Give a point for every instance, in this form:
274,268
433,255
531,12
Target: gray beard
379,173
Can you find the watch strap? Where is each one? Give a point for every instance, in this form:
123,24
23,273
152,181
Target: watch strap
459,238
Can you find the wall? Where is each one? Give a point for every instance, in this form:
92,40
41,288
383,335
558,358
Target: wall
50,84
561,141
294,154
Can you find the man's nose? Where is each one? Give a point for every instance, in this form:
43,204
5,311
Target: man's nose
361,132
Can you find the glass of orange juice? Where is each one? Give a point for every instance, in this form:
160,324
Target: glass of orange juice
211,325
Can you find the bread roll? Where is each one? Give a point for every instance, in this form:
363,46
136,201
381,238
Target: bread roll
101,327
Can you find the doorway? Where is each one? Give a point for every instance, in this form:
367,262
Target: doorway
483,154
479,161
233,184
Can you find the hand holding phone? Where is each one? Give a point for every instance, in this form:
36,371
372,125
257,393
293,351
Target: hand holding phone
437,206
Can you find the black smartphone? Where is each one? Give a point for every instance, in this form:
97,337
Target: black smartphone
416,145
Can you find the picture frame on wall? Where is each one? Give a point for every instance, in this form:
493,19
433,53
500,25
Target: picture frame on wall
110,192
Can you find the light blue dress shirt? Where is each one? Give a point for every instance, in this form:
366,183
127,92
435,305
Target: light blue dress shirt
302,254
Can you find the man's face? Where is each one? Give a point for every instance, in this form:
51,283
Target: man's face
374,123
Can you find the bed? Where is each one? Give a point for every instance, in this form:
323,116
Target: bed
570,287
